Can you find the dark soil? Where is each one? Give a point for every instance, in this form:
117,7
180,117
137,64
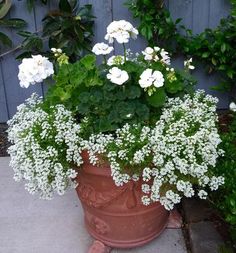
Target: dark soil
4,144
225,118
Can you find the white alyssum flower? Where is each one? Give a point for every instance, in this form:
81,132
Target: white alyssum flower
150,77
181,148
202,194
40,165
146,188
34,70
102,49
188,64
232,107
116,60
117,76
121,31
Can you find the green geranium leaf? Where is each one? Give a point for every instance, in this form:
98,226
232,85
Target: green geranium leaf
88,61
142,111
174,87
84,97
133,92
158,98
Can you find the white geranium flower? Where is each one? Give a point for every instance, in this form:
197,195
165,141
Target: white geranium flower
146,79
188,64
157,49
34,70
117,76
232,107
156,54
149,78
148,53
116,60
158,79
56,50
165,57
121,31
102,49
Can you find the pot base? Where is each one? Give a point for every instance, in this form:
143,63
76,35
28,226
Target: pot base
121,244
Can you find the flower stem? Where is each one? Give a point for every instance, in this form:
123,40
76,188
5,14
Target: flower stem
125,54
105,59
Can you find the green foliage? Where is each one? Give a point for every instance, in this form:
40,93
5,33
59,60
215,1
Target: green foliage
69,28
4,8
156,24
215,48
225,198
225,249
31,3
5,40
32,43
72,79
14,23
83,88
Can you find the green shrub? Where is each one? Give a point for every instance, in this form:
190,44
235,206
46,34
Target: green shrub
225,198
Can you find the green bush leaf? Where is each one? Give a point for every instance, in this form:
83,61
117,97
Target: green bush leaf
4,8
5,40
13,22
64,6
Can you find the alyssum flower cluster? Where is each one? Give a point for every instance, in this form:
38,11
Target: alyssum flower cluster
172,157
123,110
41,140
175,154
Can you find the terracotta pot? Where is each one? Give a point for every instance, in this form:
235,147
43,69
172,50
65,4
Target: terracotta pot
115,215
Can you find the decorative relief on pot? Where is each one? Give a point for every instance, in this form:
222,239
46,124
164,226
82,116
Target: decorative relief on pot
99,225
93,198
131,201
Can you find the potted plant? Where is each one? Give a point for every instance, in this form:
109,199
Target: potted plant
130,134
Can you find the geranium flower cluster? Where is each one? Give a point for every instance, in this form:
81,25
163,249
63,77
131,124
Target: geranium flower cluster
121,31
156,54
44,147
102,49
34,70
150,77
172,157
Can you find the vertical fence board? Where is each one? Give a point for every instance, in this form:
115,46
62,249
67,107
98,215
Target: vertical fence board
3,104
208,14
40,12
102,9
200,15
218,10
182,9
14,93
